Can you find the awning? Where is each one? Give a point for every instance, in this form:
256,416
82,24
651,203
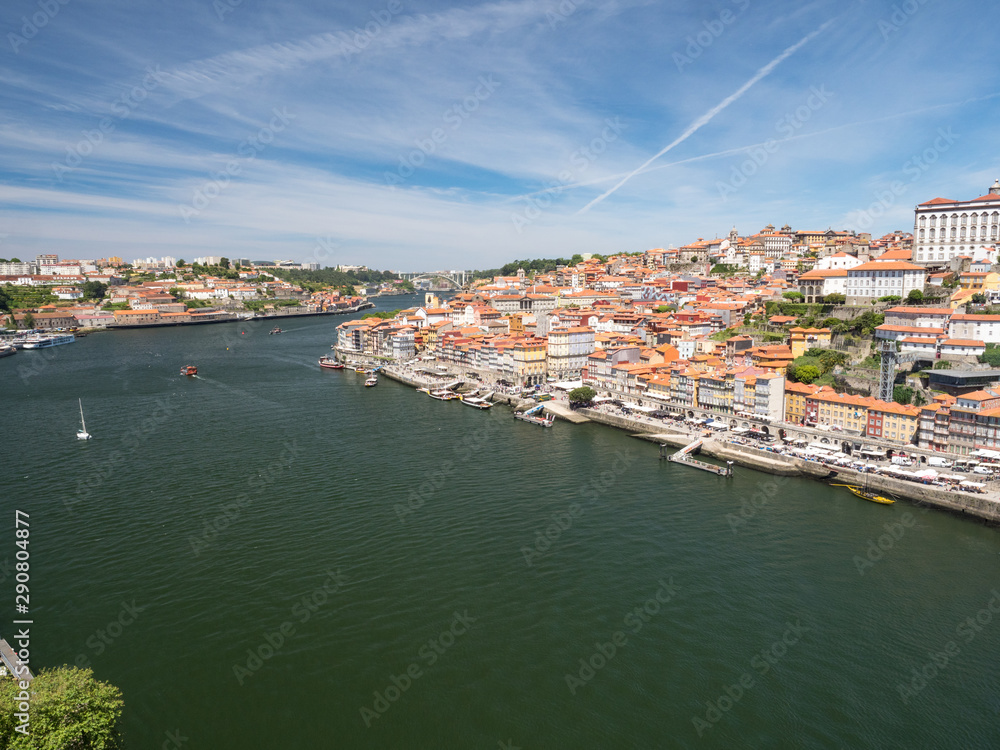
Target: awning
968,483
983,453
602,399
569,385
822,447
740,430
643,409
718,426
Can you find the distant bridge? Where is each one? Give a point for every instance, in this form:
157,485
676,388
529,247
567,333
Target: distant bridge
457,279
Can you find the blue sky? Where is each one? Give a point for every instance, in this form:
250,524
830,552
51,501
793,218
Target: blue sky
414,135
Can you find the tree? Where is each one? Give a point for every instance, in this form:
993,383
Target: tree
69,709
224,263
28,321
834,299
94,290
181,263
583,395
794,295
694,258
890,298
902,394
942,364
919,399
978,299
807,373
915,295
577,258
830,359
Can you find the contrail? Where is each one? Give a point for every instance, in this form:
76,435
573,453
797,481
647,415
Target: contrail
708,116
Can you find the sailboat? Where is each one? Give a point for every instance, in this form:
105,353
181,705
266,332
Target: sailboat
82,433
865,493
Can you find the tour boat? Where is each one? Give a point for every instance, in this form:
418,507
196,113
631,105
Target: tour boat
475,401
44,342
372,381
189,370
330,363
362,370
443,394
6,350
82,433
276,330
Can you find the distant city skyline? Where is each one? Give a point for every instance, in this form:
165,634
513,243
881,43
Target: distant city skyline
446,136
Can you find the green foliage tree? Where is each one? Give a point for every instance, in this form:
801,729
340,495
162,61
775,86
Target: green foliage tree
577,258
890,298
583,395
94,290
807,373
834,299
694,258
181,263
830,359
4,301
28,321
915,295
902,394
70,710
943,364
798,296
978,299
224,263
919,399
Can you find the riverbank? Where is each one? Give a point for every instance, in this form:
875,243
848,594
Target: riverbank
985,506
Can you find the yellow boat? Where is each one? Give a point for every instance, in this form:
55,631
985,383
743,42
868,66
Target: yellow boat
866,494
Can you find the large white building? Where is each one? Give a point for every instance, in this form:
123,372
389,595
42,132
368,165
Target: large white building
945,228
883,278
568,350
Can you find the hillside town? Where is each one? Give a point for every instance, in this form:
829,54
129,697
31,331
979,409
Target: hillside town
110,293
797,327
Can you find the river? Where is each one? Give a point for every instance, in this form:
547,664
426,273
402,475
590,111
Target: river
273,556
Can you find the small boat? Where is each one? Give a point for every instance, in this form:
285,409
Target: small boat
476,402
361,370
82,433
443,394
6,350
372,381
536,415
189,370
275,330
330,363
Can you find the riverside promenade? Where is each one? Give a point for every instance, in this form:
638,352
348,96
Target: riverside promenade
984,506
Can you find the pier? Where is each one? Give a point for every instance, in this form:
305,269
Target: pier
684,456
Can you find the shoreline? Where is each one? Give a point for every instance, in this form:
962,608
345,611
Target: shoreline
978,506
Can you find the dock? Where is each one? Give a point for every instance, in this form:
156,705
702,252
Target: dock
13,664
684,456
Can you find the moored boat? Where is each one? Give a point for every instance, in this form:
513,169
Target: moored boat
866,494
361,370
536,415
372,381
6,350
44,342
443,394
475,401
189,370
330,363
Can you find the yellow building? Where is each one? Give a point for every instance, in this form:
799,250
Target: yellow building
795,401
529,361
803,339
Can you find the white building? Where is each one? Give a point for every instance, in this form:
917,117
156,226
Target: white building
838,260
816,284
884,278
568,350
984,328
944,229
